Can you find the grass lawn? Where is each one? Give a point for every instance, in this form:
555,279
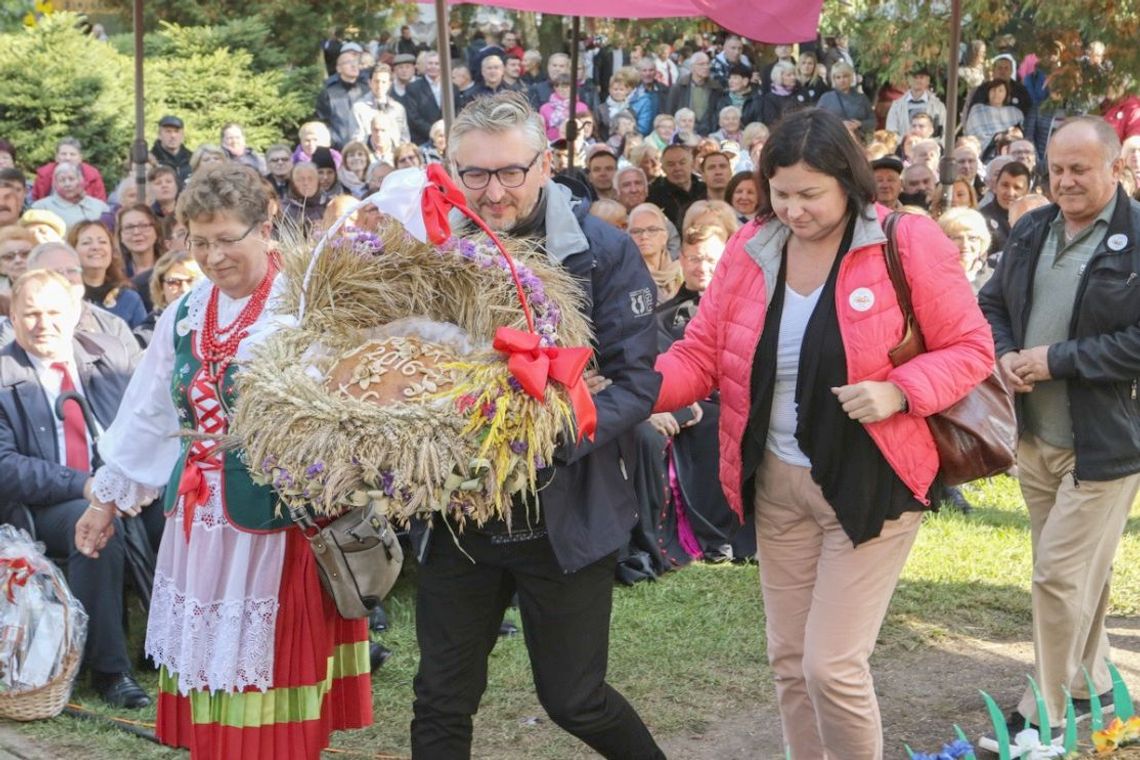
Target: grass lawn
688,650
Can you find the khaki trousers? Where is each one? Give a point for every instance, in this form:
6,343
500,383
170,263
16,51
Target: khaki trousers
1075,529
824,601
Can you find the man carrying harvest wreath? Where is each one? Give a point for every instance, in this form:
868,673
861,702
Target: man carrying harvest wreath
558,555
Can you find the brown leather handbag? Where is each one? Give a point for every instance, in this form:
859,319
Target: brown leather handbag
977,436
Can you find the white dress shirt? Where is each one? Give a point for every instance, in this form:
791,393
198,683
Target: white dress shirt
52,384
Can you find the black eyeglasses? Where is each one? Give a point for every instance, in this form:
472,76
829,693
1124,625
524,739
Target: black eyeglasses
512,176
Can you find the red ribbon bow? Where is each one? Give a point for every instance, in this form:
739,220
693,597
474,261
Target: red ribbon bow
193,488
440,196
17,574
534,365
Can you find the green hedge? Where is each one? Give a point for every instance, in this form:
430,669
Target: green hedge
59,81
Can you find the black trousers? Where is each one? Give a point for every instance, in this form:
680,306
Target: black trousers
566,624
97,583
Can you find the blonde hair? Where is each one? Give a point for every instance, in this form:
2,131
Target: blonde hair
165,263
37,278
719,213
962,219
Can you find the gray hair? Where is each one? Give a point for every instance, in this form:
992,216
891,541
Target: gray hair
63,167
1105,134
497,114
627,170
650,208
779,69
43,249
70,142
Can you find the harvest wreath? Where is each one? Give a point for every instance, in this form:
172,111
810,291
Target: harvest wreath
417,377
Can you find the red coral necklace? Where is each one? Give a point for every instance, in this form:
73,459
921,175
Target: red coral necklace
219,346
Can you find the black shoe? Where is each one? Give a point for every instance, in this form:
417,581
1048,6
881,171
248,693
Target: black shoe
378,619
507,628
378,654
957,500
119,690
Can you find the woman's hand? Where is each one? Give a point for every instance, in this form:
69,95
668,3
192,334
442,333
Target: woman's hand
95,528
870,401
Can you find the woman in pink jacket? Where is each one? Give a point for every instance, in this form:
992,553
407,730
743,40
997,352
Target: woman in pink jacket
818,431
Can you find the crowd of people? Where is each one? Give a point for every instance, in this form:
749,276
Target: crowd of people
697,168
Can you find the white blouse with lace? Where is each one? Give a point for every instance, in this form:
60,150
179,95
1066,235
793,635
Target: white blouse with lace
214,606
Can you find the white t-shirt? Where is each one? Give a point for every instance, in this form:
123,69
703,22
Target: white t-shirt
782,425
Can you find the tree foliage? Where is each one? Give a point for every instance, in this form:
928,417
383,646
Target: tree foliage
891,36
60,81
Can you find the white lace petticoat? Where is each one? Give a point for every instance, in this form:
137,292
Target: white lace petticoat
213,613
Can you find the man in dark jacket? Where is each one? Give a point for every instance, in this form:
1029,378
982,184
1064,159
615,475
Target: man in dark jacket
423,100
45,463
698,91
1066,323
168,148
340,94
562,563
674,192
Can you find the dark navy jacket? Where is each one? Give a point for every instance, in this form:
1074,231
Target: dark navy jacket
588,501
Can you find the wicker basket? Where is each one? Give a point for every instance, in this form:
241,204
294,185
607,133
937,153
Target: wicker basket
46,701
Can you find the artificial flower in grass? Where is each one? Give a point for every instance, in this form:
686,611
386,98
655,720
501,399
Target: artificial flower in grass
959,749
1118,733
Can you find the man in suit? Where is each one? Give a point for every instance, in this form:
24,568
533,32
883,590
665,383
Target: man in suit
45,463
424,100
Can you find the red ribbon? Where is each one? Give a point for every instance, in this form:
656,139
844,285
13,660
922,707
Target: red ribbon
440,196
17,574
193,489
534,365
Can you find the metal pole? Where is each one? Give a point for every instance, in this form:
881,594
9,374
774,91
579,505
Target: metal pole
443,42
138,148
572,118
946,167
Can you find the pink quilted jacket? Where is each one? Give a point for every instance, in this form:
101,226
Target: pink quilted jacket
720,342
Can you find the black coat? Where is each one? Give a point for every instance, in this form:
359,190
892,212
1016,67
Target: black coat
29,454
422,110
179,162
681,96
334,108
588,502
751,111
1100,362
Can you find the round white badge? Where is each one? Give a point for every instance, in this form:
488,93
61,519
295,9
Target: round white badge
1117,242
861,299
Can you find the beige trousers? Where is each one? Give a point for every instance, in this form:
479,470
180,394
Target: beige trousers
1075,529
824,601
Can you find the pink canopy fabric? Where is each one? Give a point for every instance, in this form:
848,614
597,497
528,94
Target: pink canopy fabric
771,21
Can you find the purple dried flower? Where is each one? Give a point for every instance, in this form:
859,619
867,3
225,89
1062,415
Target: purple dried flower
519,447
514,384
387,483
315,469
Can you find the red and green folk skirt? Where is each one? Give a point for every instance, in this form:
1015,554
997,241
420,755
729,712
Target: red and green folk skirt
321,682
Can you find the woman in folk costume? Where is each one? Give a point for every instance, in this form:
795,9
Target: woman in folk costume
254,660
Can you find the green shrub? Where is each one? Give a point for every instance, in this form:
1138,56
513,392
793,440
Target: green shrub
59,82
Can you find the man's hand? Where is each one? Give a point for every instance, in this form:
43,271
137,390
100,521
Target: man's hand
1010,364
870,401
95,529
665,423
698,414
1034,365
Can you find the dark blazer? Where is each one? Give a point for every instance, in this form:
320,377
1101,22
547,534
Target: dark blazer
29,454
422,109
681,96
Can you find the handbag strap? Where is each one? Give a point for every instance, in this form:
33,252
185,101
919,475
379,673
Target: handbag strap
895,269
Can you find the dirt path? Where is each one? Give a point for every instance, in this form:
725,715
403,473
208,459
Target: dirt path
922,693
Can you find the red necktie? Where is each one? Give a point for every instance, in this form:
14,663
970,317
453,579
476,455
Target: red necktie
74,428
